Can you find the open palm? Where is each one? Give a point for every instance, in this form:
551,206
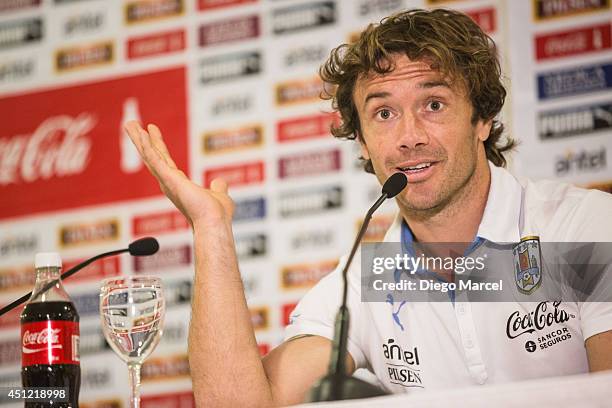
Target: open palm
198,204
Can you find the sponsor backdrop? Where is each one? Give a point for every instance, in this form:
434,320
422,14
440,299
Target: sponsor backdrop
233,86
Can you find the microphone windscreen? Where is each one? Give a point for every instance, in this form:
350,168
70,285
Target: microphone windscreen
395,184
143,247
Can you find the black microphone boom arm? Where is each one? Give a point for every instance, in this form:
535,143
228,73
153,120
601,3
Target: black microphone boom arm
142,247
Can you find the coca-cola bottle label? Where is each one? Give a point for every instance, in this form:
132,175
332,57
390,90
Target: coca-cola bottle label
49,342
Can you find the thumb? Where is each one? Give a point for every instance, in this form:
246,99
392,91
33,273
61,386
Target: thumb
218,186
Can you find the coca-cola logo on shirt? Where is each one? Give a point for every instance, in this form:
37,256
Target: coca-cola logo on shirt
68,149
546,314
33,342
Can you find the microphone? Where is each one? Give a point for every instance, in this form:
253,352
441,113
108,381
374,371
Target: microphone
141,247
336,385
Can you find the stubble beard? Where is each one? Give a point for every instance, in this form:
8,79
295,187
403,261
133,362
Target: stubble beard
449,196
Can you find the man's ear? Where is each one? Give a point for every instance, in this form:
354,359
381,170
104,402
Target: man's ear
362,146
483,128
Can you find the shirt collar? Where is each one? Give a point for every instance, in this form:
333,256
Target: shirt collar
500,220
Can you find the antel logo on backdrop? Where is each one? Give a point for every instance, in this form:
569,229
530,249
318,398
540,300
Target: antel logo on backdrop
581,162
232,104
575,121
12,5
88,55
12,244
47,160
20,32
16,70
303,17
309,164
312,239
229,66
214,4
307,54
156,44
231,30
146,10
83,23
574,81
547,9
89,233
227,140
573,42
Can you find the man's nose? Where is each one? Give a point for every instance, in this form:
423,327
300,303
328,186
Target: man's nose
412,133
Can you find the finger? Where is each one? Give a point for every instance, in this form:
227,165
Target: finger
168,177
132,129
218,185
158,142
150,154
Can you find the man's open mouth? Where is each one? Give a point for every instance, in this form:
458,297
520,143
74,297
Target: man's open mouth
416,168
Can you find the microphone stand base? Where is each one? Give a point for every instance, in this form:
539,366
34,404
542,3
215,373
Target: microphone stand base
334,387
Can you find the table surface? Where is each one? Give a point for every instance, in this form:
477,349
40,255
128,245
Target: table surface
584,390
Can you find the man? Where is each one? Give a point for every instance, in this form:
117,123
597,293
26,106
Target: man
420,92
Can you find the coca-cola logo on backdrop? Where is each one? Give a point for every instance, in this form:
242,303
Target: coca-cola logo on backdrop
68,148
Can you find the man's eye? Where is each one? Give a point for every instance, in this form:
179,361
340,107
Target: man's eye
435,105
384,113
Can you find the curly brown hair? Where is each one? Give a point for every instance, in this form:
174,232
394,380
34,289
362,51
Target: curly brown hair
448,40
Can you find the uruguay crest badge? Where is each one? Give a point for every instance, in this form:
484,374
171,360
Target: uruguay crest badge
527,265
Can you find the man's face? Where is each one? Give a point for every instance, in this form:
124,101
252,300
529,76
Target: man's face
415,121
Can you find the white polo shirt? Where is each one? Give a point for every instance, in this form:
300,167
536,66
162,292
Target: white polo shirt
421,345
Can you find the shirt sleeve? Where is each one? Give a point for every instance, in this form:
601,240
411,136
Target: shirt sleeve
595,226
596,311
596,317
315,314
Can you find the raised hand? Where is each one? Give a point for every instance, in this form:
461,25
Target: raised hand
201,206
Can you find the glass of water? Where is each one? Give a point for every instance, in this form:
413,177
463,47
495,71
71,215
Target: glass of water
132,311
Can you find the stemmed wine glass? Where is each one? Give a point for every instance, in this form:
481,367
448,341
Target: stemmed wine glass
132,311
